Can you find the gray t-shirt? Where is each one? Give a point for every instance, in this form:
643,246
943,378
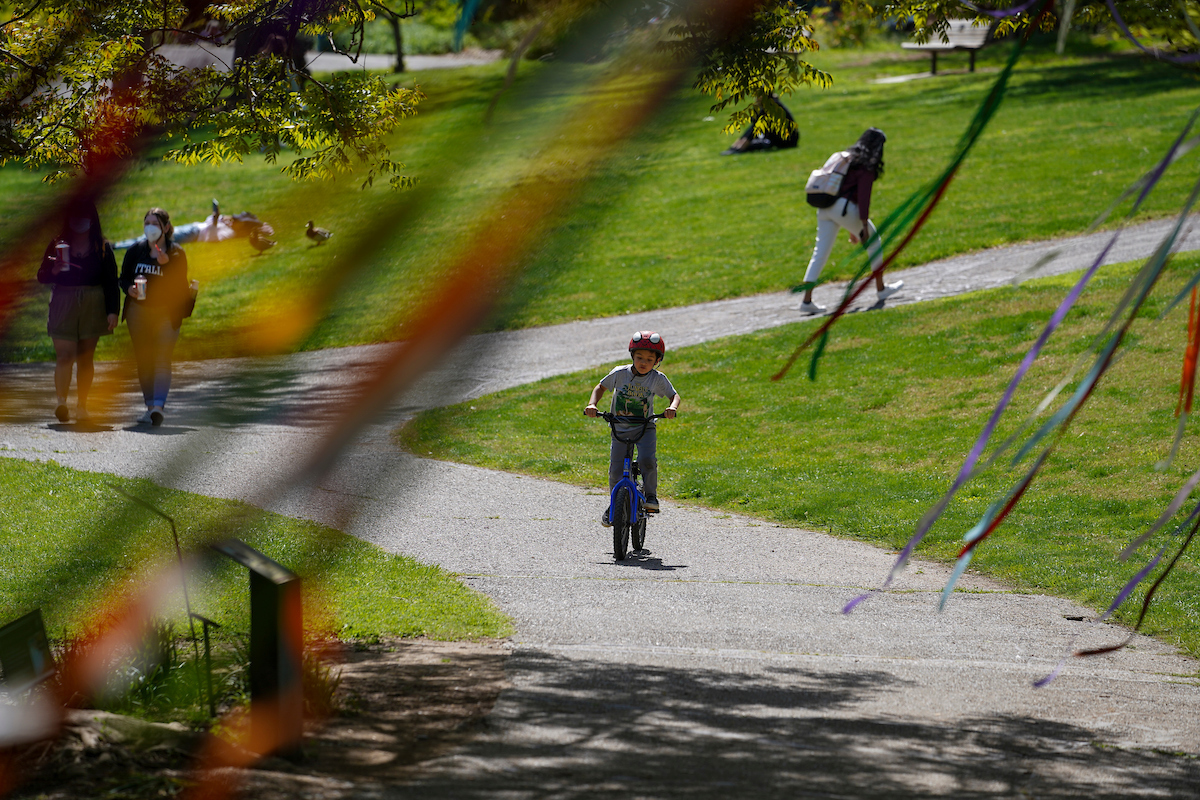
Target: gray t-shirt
634,394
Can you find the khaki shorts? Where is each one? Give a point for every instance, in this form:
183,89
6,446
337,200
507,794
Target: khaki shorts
77,313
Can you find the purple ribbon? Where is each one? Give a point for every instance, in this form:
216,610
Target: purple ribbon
1120,598
1175,504
985,435
1188,59
1003,12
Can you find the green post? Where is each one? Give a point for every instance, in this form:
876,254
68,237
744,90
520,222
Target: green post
276,650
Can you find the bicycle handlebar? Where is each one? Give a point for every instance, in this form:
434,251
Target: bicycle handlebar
608,416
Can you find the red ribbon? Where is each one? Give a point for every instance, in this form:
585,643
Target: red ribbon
1187,383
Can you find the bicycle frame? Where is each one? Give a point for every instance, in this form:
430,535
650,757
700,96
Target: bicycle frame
637,509
629,478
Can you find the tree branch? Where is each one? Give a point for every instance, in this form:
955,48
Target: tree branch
20,17
34,68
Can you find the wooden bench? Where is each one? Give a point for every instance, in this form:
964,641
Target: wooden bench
961,34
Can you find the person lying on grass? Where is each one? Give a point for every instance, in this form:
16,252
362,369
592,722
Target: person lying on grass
217,227
634,388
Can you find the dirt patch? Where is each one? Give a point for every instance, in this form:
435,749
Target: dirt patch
404,701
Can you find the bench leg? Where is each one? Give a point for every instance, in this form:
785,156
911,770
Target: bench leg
933,70
972,61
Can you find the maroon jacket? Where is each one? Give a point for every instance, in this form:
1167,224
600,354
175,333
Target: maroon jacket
857,187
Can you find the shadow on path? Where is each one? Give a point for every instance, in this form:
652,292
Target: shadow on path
575,729
644,560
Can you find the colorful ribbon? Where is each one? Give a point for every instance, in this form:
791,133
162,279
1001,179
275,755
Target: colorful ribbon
1116,15
1123,595
1062,419
1146,183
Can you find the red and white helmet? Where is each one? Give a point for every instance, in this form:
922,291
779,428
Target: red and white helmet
648,340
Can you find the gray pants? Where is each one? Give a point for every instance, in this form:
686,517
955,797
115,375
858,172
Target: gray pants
647,458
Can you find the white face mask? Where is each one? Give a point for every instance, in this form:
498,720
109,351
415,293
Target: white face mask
80,224
153,233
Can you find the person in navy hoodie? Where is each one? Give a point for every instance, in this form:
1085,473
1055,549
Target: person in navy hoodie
158,296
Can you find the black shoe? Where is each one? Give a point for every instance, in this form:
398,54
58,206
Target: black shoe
604,519
651,504
156,416
62,412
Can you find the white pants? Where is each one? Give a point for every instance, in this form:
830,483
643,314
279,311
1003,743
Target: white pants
842,214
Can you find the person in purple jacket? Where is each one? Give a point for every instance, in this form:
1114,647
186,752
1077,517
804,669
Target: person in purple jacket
79,263
851,211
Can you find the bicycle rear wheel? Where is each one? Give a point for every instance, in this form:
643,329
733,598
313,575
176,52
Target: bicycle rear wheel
620,523
638,529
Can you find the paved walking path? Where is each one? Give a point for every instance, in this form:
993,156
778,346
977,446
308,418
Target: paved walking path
717,665
205,55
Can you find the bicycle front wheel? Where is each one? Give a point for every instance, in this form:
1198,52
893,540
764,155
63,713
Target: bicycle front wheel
620,524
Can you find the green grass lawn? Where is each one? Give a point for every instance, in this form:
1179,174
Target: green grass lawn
865,450
666,218
72,546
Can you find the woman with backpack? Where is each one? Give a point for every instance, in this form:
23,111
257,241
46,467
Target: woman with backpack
849,208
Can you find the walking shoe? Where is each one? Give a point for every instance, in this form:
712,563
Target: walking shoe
604,519
82,415
62,413
156,416
810,308
651,504
889,290
145,417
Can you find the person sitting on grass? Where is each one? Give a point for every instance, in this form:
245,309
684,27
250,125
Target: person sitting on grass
634,388
750,141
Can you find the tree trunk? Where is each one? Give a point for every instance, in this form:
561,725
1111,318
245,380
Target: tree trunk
395,20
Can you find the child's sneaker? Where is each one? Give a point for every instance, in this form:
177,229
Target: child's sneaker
651,504
604,519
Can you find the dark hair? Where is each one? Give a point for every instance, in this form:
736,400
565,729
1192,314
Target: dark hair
167,228
84,207
867,152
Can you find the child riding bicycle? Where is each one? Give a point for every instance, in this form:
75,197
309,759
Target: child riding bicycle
634,388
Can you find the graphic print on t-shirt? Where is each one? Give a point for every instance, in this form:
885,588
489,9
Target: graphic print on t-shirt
634,400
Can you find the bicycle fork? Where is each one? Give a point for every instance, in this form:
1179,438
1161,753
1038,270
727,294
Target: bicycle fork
629,479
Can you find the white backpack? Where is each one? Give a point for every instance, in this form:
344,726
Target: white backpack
826,182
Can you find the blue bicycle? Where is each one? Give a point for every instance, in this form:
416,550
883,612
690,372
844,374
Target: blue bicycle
627,503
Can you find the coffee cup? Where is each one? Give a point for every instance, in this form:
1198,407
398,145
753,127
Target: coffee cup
64,255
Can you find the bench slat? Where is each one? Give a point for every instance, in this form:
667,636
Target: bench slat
961,34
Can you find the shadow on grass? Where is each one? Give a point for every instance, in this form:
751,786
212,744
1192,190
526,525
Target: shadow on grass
1109,79
573,728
